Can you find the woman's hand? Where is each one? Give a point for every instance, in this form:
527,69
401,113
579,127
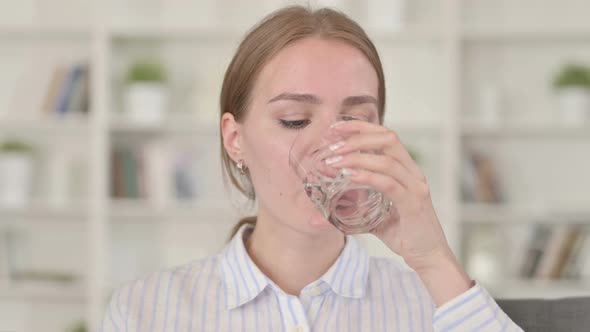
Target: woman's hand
413,230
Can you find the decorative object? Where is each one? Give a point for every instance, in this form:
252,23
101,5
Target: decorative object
485,254
78,327
241,167
146,94
573,92
16,172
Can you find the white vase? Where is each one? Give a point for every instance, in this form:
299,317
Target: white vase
16,171
145,103
574,105
486,255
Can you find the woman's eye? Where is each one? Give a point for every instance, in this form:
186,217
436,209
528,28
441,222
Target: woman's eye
294,124
350,117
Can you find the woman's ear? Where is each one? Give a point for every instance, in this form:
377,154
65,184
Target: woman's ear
231,136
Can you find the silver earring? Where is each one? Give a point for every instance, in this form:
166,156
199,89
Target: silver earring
241,167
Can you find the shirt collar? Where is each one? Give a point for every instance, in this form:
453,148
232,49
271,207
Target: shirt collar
243,280
348,275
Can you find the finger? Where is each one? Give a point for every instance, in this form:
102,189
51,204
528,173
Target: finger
352,126
386,141
387,185
382,164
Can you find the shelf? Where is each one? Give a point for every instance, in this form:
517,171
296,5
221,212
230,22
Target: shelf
408,35
44,32
46,126
496,213
501,130
177,125
183,33
73,214
407,53
224,35
525,34
42,292
186,125
413,128
133,210
475,213
546,289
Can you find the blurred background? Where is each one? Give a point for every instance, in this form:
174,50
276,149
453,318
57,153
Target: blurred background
109,148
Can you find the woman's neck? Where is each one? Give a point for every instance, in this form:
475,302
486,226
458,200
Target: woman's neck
290,258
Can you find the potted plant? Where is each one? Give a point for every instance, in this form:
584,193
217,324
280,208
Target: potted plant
146,95
413,152
78,327
16,172
573,92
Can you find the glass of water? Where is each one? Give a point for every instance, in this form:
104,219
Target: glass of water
352,208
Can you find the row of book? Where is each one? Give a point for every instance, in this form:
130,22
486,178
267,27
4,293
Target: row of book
155,171
68,90
556,252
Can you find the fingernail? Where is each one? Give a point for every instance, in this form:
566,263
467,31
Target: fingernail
336,146
336,124
349,172
332,160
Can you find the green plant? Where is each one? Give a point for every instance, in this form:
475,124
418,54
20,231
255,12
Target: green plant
15,146
414,154
573,75
146,71
78,327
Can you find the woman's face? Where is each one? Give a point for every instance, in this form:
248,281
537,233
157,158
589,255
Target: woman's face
309,81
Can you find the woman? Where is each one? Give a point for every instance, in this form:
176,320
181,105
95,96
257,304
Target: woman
284,271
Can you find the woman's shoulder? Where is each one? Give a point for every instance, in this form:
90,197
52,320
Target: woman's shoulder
400,279
133,301
165,278
390,265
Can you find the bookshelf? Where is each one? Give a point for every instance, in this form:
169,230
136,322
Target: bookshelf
433,69
534,153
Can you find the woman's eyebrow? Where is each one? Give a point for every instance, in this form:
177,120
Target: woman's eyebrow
358,100
299,97
313,99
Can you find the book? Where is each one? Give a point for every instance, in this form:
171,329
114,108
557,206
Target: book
487,184
156,171
68,90
480,182
50,101
4,263
67,87
183,176
574,262
77,101
565,250
468,180
535,250
552,252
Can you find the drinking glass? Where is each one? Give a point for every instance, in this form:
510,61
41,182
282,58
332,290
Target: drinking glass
351,207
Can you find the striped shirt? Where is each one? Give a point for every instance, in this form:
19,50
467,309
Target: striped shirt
228,292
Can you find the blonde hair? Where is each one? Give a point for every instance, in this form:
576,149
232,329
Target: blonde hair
266,39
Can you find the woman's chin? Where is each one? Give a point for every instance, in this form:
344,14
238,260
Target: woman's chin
318,223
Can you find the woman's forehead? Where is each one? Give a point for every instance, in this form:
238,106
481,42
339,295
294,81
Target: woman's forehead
318,66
